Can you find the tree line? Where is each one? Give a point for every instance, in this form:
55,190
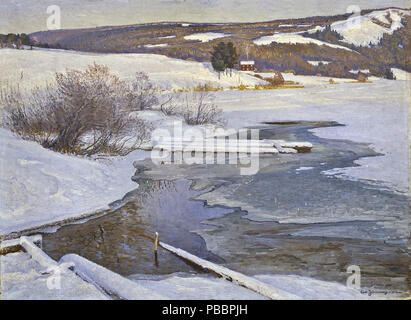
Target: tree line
15,39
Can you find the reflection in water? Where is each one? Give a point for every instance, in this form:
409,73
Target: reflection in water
122,241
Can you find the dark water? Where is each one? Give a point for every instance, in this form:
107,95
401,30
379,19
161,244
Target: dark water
327,224
122,241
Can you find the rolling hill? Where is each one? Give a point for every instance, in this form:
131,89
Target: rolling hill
376,40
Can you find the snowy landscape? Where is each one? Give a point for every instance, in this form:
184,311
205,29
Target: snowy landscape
331,190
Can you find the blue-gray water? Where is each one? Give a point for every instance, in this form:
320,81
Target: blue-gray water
335,223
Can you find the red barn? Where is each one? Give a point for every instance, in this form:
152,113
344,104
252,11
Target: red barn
247,65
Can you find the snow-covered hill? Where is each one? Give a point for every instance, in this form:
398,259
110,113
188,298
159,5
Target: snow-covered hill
34,67
369,29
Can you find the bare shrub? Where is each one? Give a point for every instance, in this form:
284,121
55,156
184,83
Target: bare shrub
277,80
85,112
169,104
196,108
144,91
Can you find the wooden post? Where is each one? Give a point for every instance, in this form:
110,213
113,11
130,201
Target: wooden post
156,249
156,242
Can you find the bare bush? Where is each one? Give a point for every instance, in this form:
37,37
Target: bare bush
196,108
276,80
169,104
144,91
86,112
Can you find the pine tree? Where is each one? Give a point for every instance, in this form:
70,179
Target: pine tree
218,58
231,56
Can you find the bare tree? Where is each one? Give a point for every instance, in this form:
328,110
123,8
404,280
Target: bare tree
86,112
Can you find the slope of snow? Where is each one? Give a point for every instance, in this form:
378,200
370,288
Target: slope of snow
159,45
31,68
294,38
24,279
366,71
316,63
206,36
401,74
167,37
363,30
38,186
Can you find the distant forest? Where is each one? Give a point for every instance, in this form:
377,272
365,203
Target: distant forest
13,40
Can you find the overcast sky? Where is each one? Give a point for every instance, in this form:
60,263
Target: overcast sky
30,15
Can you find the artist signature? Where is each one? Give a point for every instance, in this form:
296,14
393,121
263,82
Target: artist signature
371,292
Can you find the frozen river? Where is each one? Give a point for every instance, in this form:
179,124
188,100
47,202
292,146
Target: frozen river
289,218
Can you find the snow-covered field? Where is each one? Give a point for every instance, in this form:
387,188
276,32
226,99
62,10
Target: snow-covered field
294,38
38,186
206,36
309,81
369,29
30,68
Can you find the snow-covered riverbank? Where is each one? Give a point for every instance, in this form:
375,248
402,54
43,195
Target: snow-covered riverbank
39,186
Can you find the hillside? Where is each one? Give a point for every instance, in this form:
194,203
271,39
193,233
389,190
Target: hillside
29,68
345,42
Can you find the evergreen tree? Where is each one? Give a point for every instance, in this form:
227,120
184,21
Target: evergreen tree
231,56
389,74
25,39
218,58
224,57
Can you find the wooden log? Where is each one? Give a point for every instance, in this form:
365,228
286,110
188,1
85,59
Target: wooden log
253,284
37,254
110,281
222,145
215,148
219,141
13,245
299,146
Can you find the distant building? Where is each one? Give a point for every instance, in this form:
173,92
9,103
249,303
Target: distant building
247,65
